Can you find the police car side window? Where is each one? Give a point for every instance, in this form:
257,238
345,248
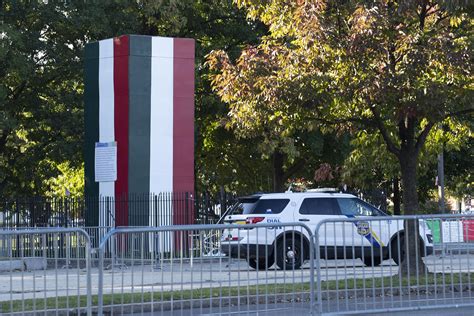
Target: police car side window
273,206
319,206
354,207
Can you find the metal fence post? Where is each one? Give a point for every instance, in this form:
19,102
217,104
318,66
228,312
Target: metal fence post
311,273
319,309
34,253
100,293
88,255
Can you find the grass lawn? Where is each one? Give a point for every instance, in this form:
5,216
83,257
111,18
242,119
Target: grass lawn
73,302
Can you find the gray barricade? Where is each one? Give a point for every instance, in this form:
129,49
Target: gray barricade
349,265
251,270
37,277
381,264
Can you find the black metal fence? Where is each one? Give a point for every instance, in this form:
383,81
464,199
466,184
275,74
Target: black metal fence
142,210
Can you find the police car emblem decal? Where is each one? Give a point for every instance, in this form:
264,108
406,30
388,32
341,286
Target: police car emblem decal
365,231
363,228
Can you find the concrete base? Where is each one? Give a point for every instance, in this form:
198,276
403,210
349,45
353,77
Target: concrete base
12,265
25,264
35,263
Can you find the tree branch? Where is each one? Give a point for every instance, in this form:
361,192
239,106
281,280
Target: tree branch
294,168
15,93
352,119
365,122
441,18
3,139
422,14
422,137
383,130
459,113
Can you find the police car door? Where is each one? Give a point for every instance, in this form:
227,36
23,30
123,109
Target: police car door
315,209
371,235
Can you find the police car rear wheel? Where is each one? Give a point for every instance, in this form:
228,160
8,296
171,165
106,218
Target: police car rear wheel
261,263
289,254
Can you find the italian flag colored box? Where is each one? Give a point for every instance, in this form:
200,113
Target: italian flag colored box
139,93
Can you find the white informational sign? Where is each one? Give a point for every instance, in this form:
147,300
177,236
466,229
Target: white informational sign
106,162
453,231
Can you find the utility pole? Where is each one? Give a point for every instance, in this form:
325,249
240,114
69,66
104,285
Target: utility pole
441,193
442,207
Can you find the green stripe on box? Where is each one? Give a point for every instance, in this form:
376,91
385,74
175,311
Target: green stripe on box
91,135
139,125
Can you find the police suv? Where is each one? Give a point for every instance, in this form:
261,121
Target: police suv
371,240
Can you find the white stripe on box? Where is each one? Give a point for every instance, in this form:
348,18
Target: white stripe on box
106,121
161,120
161,123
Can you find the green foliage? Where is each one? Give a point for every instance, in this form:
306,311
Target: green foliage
391,70
295,80
459,167
41,86
265,90
369,165
41,121
70,181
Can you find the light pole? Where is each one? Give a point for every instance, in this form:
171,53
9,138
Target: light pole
442,207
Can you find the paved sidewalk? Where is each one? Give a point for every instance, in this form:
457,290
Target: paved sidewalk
295,311
302,309
452,311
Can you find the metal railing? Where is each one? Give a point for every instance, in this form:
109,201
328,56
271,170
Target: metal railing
381,264
339,266
40,280
182,278
164,208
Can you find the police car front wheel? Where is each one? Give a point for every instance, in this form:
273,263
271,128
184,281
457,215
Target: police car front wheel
290,254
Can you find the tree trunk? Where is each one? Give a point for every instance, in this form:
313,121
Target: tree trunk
396,197
412,264
278,173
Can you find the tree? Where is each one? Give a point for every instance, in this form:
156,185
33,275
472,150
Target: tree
461,181
370,165
226,159
262,107
41,85
70,182
459,167
398,68
41,121
372,170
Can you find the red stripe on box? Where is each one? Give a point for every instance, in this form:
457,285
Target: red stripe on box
121,54
183,121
